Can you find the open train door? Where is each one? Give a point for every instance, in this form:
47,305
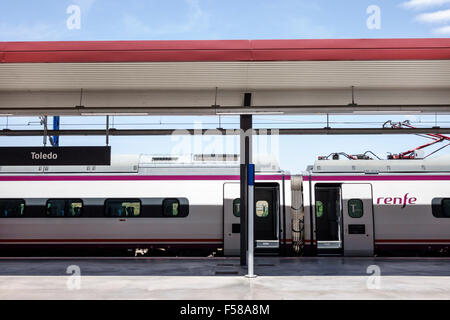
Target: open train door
267,214
358,219
267,205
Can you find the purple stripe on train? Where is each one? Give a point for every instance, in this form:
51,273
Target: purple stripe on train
380,178
136,178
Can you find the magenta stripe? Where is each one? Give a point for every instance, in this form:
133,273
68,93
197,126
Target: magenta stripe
381,178
136,178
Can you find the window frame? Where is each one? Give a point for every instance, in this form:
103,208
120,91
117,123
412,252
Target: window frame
15,199
105,207
63,199
362,208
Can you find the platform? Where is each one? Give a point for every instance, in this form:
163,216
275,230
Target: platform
223,278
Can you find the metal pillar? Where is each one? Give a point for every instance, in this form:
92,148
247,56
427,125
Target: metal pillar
107,130
251,218
245,160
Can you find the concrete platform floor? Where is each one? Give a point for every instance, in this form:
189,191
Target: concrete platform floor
223,278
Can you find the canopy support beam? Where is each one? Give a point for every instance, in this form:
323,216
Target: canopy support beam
285,131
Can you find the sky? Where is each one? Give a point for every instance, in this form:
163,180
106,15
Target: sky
49,20
212,19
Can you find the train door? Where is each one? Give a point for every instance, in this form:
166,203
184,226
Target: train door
358,219
266,218
328,220
267,207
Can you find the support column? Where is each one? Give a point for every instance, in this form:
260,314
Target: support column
250,221
245,160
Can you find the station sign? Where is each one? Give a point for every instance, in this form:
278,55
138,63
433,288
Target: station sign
55,156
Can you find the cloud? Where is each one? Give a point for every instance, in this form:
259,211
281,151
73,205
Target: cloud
442,16
422,4
434,17
40,31
196,17
443,30
30,32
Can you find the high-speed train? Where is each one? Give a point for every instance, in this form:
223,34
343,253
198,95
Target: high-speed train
177,203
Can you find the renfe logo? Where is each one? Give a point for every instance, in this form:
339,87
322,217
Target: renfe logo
397,200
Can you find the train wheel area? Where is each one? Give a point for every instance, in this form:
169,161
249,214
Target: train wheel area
111,252
224,278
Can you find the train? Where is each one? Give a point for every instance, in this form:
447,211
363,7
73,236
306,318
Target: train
191,203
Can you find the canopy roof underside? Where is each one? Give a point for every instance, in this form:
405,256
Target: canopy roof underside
210,77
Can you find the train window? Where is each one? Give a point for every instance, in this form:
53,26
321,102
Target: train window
441,207
12,208
237,207
319,209
122,207
446,208
355,208
262,208
171,207
63,208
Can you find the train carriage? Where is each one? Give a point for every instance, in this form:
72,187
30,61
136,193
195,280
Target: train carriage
157,202
184,203
362,207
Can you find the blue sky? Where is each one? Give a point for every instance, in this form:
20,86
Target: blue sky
212,19
45,20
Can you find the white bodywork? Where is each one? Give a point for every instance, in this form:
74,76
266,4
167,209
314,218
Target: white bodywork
199,181
211,185
393,225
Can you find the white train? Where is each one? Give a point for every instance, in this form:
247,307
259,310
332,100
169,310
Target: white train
347,207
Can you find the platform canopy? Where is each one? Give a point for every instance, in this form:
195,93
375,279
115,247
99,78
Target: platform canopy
211,77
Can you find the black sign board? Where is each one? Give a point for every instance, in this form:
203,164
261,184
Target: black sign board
55,156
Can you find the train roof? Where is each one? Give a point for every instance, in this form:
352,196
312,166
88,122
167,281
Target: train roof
158,164
438,164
